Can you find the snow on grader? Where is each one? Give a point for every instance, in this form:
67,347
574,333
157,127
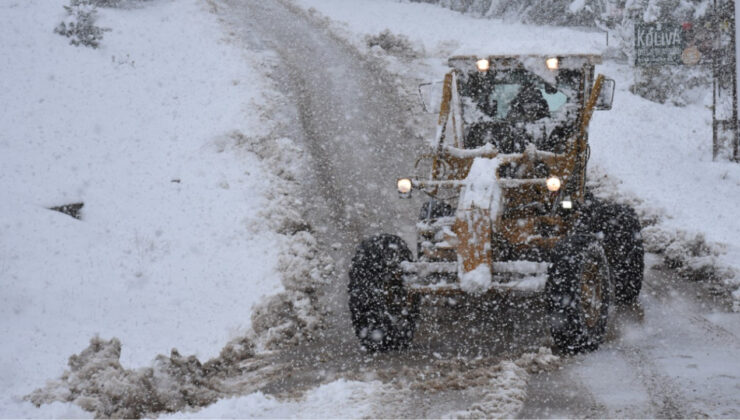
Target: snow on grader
508,208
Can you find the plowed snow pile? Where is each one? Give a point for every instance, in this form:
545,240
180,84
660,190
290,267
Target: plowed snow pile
186,215
97,382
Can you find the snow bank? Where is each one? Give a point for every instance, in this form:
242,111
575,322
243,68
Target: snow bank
295,314
97,382
386,392
186,224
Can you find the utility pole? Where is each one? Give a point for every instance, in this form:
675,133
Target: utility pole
736,75
724,85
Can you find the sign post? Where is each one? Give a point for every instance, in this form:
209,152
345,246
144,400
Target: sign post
724,85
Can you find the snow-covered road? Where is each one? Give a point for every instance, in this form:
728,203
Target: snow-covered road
671,356
347,115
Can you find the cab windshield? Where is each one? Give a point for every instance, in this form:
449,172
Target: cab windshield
511,108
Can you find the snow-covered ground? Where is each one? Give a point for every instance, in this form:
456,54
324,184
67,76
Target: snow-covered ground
155,132
338,399
174,246
659,157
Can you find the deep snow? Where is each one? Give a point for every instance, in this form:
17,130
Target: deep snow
175,244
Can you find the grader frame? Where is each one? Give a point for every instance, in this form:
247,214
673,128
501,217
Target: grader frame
467,240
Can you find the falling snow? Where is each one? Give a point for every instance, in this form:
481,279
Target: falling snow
232,155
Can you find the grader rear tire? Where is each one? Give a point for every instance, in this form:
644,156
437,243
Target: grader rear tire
578,292
623,245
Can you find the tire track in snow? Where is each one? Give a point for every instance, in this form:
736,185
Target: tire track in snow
666,398
349,120
714,330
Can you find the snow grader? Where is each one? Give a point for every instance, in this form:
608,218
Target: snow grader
508,208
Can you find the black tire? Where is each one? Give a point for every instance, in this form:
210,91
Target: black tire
578,293
620,229
383,313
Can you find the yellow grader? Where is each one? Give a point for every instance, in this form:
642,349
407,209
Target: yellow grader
508,209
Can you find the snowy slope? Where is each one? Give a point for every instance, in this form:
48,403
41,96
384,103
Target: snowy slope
656,156
441,32
174,246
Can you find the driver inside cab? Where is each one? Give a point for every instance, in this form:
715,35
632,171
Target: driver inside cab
502,107
529,105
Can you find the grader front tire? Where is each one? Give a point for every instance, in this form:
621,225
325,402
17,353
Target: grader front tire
383,312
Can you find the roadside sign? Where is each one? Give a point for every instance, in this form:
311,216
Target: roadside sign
658,44
690,56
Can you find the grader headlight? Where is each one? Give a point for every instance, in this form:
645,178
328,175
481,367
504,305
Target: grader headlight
404,187
553,184
552,63
483,64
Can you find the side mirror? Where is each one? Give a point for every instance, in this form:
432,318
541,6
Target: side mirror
606,96
430,96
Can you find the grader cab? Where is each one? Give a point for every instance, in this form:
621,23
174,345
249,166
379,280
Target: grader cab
508,208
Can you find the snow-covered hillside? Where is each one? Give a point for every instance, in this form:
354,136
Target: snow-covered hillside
151,131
